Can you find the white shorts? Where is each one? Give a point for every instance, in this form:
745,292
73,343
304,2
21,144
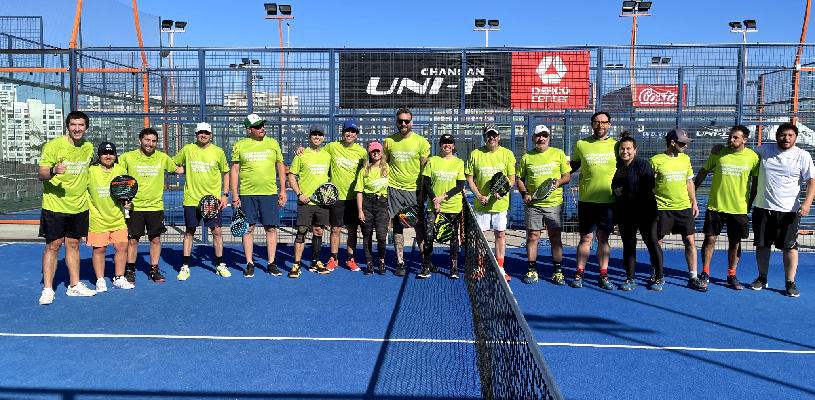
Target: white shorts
498,220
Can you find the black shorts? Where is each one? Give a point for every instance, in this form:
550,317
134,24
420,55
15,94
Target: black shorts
56,225
150,221
311,215
775,228
738,225
678,222
344,212
594,216
192,218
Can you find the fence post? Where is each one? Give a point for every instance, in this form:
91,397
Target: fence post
740,76
598,86
462,83
202,103
72,74
681,97
331,91
249,86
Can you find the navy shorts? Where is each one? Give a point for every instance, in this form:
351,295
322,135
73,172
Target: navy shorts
344,212
261,209
192,218
56,225
594,216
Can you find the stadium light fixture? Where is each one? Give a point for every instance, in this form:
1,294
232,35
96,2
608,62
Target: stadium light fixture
285,13
285,9
666,60
233,65
655,60
493,22
619,65
486,26
256,62
628,6
180,24
644,6
245,61
164,53
258,76
480,23
749,26
167,24
735,25
271,8
750,23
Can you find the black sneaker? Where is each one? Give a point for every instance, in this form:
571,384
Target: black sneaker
792,291
272,269
381,268
249,271
734,283
425,273
400,270
759,283
704,278
434,269
130,275
155,274
697,285
454,273
369,269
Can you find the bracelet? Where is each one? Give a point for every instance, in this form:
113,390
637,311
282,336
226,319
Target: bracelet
51,171
524,193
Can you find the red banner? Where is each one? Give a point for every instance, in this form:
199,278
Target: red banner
550,80
659,95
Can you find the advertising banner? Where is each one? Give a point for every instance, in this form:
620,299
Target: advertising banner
550,80
659,95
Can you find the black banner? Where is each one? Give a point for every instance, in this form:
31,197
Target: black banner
424,80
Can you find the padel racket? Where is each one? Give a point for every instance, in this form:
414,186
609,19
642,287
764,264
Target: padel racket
443,228
238,227
408,216
545,189
499,184
124,189
326,194
209,206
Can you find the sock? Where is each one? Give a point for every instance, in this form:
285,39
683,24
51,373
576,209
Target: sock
336,256
731,272
131,266
186,260
581,271
453,264
218,260
500,262
350,257
532,265
316,245
706,270
789,281
604,271
692,274
557,267
763,276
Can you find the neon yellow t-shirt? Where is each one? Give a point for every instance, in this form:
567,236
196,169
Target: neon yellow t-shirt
345,163
671,190
405,160
598,163
106,213
311,169
482,165
258,160
204,169
443,176
149,172
373,183
731,178
537,167
66,193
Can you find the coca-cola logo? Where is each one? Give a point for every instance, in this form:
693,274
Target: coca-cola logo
650,96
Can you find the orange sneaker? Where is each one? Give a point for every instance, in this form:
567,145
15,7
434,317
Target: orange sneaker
352,265
332,263
508,278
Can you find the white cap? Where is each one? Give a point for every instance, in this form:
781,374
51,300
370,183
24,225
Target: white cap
541,128
203,126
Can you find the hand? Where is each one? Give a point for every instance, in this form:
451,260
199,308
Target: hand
527,199
60,168
127,205
498,196
580,175
437,207
438,200
299,151
716,149
483,199
361,217
223,202
236,201
303,199
695,210
804,210
618,191
281,198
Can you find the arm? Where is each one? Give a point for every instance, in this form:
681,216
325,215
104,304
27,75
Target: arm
234,174
179,170
564,179
294,186
753,192
700,177
575,164
481,198
804,210
692,196
45,173
359,207
225,193
428,187
281,172
456,189
524,192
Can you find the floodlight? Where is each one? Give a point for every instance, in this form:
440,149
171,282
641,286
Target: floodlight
256,62
628,6
285,9
750,23
735,25
258,76
655,60
167,24
180,24
245,61
233,65
609,65
492,22
644,6
619,65
480,23
666,60
164,53
271,8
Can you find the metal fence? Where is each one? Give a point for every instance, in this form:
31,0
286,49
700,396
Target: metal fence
648,90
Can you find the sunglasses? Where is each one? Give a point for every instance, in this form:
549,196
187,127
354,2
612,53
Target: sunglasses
603,123
403,121
257,127
681,144
317,134
541,135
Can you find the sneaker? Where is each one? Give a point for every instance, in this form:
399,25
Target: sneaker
400,270
425,273
704,278
222,270
629,284
130,275
317,266
155,274
657,284
47,296
759,283
332,263
577,282
120,282
381,268
249,271
350,264
80,290
696,284
792,291
454,273
369,269
531,277
558,278
295,271
184,274
507,277
733,282
604,283
101,285
272,270
434,269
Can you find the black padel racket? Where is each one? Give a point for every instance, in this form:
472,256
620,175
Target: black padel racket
408,216
326,194
209,206
238,227
499,184
124,189
545,189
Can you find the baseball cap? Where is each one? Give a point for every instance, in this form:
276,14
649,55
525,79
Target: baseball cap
447,138
350,124
541,129
253,120
374,146
106,146
678,135
316,128
491,128
203,126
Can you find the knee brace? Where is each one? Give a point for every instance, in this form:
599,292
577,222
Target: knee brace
301,234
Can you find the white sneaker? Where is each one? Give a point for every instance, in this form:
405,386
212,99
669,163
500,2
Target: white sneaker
120,282
47,296
101,285
80,290
184,274
222,270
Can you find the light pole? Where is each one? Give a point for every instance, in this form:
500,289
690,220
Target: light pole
634,9
615,73
170,28
271,13
660,62
480,26
749,26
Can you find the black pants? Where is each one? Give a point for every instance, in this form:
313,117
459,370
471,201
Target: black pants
430,236
648,231
375,210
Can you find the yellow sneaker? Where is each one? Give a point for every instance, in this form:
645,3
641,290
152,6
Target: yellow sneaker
221,270
184,273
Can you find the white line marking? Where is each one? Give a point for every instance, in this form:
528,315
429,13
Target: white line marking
625,346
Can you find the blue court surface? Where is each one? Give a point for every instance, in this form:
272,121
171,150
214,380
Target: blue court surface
349,336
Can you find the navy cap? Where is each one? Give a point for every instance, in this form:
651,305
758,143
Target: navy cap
316,128
447,138
106,146
350,124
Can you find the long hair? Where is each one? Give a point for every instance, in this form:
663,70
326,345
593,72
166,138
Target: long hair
383,165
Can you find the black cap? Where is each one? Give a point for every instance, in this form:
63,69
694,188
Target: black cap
447,138
316,128
106,146
678,135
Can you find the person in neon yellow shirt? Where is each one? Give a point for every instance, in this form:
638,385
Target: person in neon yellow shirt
491,208
147,165
444,184
63,170
254,162
107,219
372,205
536,166
407,154
206,169
728,202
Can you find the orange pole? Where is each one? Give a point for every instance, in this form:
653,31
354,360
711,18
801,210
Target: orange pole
795,74
107,70
144,64
77,18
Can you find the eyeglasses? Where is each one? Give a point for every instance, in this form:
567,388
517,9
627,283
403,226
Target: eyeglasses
403,121
598,123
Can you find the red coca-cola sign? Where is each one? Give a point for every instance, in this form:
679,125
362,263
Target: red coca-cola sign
550,80
658,95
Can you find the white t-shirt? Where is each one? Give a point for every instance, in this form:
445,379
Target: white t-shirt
780,177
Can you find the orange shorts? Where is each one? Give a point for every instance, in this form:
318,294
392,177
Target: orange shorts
102,239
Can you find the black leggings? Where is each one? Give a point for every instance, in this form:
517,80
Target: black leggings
376,216
648,231
430,236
